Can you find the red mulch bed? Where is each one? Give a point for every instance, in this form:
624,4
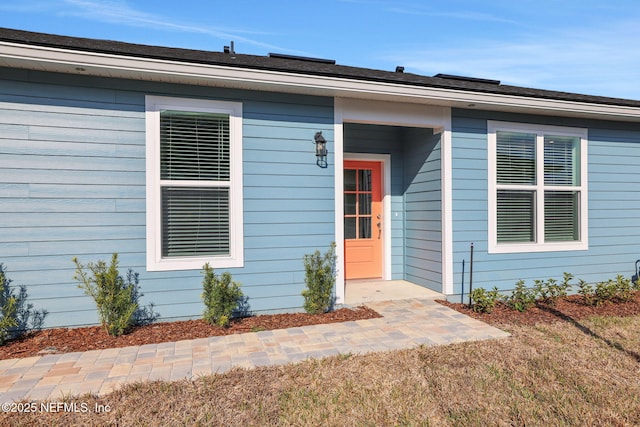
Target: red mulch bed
95,338
565,309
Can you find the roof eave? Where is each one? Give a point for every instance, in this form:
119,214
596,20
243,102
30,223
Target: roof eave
52,59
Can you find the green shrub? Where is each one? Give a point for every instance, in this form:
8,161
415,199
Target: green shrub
521,298
483,301
115,297
619,290
624,289
551,290
586,291
16,315
320,278
221,296
605,291
7,307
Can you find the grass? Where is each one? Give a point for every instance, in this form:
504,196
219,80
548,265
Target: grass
566,373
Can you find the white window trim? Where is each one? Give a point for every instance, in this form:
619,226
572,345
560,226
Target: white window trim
155,261
539,245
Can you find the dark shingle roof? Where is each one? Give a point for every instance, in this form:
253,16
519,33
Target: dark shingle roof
293,65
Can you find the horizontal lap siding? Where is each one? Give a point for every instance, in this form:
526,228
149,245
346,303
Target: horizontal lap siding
72,155
423,213
614,202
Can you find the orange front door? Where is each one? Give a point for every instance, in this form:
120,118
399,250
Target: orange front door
362,219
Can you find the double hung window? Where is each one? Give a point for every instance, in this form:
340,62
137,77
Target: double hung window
194,183
538,188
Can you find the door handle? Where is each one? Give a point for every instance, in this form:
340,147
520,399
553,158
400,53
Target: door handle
379,228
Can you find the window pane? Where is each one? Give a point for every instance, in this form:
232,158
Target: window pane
194,146
349,180
364,228
349,204
516,213
195,221
561,160
516,158
350,228
364,180
561,216
364,207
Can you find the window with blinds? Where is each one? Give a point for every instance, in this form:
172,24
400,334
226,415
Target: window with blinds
537,193
194,194
194,146
195,219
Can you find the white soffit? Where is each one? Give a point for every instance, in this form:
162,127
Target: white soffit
118,66
394,114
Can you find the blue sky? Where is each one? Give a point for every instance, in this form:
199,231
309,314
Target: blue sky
582,46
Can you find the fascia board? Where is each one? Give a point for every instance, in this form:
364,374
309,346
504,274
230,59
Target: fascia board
92,63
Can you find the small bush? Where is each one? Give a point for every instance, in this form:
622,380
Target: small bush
221,296
604,291
7,308
320,278
586,291
617,291
483,301
16,315
551,290
116,297
624,289
521,298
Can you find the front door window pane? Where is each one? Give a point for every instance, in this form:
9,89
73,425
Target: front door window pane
364,180
364,228
349,180
364,204
349,204
350,228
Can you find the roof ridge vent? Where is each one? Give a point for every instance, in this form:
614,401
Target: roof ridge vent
302,58
467,79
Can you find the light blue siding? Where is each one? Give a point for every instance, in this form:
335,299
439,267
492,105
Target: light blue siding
423,212
614,200
72,155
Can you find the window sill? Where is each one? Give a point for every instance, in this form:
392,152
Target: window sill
194,263
537,247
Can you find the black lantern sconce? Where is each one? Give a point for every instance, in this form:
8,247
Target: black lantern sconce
321,149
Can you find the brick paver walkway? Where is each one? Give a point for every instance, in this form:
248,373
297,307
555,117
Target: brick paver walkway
405,324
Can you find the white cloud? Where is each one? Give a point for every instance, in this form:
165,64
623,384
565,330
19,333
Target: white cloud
120,13
461,14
